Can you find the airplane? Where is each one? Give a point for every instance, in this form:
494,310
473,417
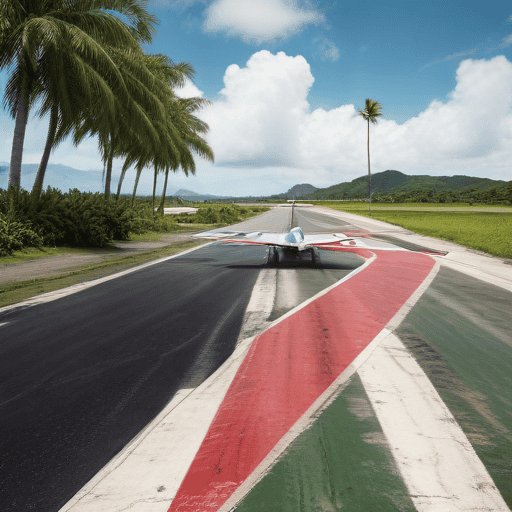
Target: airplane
293,242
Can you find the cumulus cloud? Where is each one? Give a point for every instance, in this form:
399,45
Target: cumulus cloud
263,105
264,119
257,21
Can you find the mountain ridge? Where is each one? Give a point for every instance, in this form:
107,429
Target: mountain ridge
64,178
392,181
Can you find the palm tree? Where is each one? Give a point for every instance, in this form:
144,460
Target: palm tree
370,113
66,95
190,129
134,128
31,30
177,130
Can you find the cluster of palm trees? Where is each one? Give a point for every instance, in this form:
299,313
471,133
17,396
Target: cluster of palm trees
81,63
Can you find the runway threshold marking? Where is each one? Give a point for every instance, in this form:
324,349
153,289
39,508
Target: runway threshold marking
287,371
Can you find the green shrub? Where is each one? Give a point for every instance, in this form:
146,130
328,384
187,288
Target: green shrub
76,218
16,235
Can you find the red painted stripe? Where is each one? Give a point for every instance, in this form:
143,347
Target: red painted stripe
286,370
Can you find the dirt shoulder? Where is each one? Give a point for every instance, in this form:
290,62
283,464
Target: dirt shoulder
60,264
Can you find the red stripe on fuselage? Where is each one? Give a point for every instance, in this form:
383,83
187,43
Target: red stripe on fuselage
288,367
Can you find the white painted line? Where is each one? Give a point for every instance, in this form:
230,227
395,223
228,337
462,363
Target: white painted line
64,292
3,323
437,462
260,304
287,289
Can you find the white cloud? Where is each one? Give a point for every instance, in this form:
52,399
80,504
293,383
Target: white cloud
189,90
453,56
263,107
264,120
257,21
506,41
327,49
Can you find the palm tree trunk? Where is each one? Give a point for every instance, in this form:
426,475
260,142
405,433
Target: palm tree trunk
162,201
108,174
18,141
121,179
137,177
41,171
154,191
369,173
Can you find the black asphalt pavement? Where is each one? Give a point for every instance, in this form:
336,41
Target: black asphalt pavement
82,375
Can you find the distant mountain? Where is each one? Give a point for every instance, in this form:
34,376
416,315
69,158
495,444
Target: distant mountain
58,176
296,192
65,178
395,182
189,195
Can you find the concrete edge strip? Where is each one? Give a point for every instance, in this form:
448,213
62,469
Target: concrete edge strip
230,367
327,397
75,288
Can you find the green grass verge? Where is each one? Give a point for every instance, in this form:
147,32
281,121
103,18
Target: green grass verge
489,232
13,292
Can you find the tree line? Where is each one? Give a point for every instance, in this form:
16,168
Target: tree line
80,63
499,194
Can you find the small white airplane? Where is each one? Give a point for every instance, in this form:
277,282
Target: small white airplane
294,242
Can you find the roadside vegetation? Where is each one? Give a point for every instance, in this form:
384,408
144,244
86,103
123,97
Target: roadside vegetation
476,227
81,219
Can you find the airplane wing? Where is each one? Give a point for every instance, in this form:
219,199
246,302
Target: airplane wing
300,242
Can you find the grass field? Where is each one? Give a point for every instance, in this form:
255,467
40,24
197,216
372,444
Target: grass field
484,228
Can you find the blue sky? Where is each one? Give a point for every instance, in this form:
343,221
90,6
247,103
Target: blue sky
286,78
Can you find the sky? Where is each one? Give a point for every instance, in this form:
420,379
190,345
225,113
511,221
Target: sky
286,79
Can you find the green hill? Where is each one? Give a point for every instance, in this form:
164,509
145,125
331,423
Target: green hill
305,189
394,182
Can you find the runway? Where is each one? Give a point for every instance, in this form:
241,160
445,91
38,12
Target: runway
98,375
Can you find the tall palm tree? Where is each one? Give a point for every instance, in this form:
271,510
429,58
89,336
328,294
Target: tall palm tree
67,91
31,29
177,131
190,130
370,113
134,126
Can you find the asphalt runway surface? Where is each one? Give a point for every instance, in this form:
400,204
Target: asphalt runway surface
82,375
